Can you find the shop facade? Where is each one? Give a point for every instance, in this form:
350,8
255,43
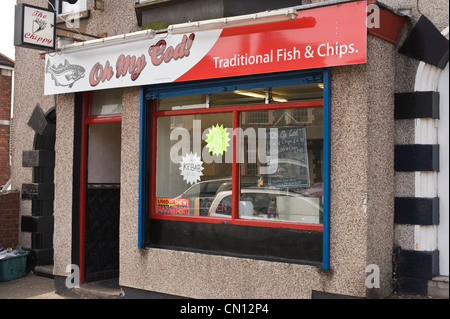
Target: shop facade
251,161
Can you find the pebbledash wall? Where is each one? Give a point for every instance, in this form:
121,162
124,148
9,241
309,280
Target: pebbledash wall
363,189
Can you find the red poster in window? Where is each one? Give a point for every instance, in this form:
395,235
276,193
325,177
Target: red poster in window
172,206
321,37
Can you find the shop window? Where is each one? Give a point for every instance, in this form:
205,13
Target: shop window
106,102
194,161
286,168
300,115
239,97
290,93
185,146
238,157
195,101
257,117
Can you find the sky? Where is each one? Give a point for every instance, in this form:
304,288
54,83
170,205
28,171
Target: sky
7,28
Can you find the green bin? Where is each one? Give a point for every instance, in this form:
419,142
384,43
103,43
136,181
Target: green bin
12,267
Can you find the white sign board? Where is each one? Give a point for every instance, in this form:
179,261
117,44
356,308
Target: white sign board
132,64
34,27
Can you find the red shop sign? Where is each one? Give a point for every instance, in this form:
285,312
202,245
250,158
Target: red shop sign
321,37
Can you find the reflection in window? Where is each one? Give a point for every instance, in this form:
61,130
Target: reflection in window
279,160
239,97
184,102
257,117
291,93
286,176
186,168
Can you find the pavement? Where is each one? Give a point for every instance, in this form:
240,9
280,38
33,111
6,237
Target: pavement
36,286
30,286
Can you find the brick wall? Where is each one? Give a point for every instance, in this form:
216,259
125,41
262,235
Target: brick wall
5,110
5,96
9,219
4,154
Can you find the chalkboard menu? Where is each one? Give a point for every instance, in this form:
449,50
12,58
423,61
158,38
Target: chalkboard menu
289,166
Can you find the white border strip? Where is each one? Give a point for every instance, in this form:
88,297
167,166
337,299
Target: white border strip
426,132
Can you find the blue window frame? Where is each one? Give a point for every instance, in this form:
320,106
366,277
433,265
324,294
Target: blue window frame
153,92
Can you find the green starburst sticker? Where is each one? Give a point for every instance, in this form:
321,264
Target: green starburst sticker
217,140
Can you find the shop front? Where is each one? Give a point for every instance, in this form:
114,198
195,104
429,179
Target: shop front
238,168
251,161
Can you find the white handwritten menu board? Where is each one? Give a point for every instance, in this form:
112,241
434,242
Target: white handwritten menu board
289,166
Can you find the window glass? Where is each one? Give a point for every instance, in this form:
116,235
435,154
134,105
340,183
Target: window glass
279,158
107,102
222,206
236,164
184,102
291,93
104,144
193,160
239,97
285,155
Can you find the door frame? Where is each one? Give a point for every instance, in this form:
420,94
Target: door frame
87,119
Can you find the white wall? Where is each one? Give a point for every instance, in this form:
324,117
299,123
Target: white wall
443,177
432,184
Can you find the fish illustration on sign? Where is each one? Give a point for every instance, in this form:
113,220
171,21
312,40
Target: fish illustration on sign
65,74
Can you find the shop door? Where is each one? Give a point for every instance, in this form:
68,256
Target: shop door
100,185
102,202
